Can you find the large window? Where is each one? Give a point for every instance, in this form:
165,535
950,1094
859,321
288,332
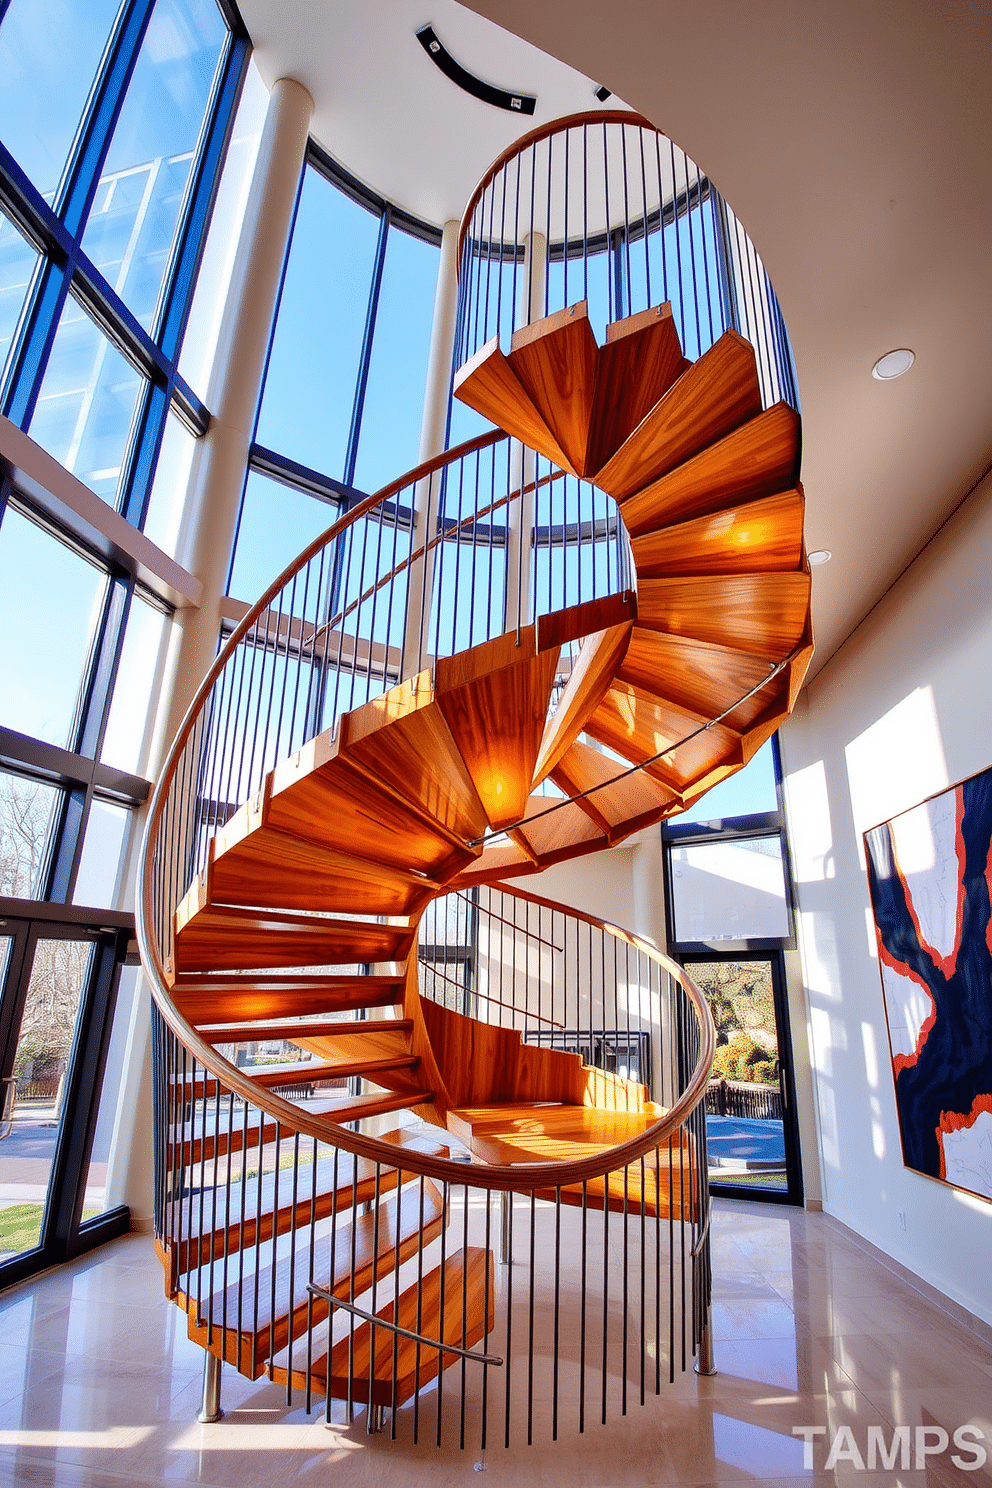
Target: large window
114,119
729,915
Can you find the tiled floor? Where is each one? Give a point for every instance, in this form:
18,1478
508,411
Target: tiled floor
99,1387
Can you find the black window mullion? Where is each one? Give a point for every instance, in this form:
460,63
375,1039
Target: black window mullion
96,130
351,457
181,280
142,457
67,843
37,333
103,666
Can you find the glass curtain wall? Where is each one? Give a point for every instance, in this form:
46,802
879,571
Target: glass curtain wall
730,920
115,116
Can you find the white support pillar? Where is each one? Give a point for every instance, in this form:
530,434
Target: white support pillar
416,641
649,920
520,514
216,484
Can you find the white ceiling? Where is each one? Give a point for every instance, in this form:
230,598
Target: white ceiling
852,137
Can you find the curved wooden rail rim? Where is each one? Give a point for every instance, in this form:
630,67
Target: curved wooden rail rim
545,131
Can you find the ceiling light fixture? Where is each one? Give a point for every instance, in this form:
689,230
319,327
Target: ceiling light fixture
893,364
821,555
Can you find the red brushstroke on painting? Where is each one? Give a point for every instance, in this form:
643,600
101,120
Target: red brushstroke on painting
945,964
952,1121
903,1061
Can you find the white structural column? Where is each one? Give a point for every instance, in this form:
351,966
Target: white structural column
416,644
520,513
216,484
648,872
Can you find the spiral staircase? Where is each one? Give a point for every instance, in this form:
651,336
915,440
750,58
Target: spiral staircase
285,899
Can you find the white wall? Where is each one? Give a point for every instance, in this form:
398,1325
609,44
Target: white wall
902,710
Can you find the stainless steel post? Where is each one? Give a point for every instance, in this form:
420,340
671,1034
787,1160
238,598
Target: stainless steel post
210,1403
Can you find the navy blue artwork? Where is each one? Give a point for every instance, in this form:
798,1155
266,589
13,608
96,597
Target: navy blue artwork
929,873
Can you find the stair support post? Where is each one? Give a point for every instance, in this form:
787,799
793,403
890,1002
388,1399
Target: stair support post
210,1410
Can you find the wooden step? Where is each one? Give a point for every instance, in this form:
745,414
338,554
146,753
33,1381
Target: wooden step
554,836
620,806
555,360
495,700
305,1034
251,863
599,658
585,619
488,383
454,1304
205,1000
639,727
527,1131
763,614
663,1184
639,362
755,460
314,1071
764,536
718,393
228,938
321,797
361,1249
699,676
402,739
361,1107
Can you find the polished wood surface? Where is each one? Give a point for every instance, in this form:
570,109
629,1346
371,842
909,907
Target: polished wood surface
220,938
323,798
714,396
639,726
207,1000
497,718
482,1064
757,459
307,1034
528,1131
764,614
637,365
696,675
314,1071
764,536
585,619
489,384
402,739
620,805
551,836
556,362
365,1247
455,1304
599,658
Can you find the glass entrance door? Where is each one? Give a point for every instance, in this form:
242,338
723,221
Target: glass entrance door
750,1135
57,983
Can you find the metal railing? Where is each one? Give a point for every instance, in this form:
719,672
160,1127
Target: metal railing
268,1217
604,208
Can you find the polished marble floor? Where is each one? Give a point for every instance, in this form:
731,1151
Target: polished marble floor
99,1388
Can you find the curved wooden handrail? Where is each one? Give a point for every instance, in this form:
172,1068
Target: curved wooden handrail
544,131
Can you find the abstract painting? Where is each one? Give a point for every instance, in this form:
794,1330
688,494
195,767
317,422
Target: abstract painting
930,875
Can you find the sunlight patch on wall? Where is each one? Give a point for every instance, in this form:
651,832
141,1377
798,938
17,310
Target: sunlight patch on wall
896,762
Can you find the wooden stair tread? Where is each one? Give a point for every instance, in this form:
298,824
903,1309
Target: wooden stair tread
620,806
455,1304
312,1071
361,1249
403,739
639,362
320,796
640,726
764,536
251,863
488,383
228,937
757,459
697,675
598,660
359,1107
556,361
532,1132
552,836
764,614
719,392
207,1000
495,700
295,1033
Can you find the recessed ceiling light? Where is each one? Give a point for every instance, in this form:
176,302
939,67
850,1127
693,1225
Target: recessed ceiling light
893,364
821,555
